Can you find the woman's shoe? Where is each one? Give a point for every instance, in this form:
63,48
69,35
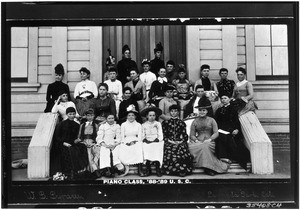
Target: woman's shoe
209,172
157,167
140,170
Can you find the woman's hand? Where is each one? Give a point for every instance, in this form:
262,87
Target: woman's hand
67,144
77,141
207,140
235,132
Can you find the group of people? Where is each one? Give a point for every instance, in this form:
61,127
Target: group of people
103,131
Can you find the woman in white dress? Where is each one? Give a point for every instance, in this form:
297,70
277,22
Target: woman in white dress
61,105
130,149
153,145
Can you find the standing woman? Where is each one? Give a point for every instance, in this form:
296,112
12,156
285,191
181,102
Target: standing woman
177,158
125,65
204,131
104,104
130,149
157,63
244,90
85,91
54,88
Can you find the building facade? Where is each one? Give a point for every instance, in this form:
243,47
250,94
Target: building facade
262,49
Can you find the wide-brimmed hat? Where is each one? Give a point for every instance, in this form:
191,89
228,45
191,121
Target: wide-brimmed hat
169,87
131,109
83,69
151,107
146,61
204,103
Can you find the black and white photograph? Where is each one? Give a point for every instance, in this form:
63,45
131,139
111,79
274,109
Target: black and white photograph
150,105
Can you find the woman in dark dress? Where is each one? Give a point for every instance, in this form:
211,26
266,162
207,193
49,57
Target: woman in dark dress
72,154
104,104
56,87
177,158
127,100
157,90
157,63
125,65
229,146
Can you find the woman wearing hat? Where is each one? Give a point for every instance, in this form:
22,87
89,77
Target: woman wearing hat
177,158
229,144
153,145
157,63
166,102
61,104
157,90
131,149
85,91
54,88
244,90
147,77
125,65
204,132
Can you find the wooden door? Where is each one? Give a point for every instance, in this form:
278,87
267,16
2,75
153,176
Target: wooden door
142,41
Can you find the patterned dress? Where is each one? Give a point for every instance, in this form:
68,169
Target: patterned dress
177,158
225,86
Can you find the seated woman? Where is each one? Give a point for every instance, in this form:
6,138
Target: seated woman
104,104
204,79
204,131
85,91
157,90
53,89
61,104
87,135
229,144
166,102
244,90
73,154
107,150
153,145
127,100
183,87
177,158
138,88
131,149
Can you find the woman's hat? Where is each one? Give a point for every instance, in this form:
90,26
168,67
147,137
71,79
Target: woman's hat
169,87
181,68
174,106
59,69
131,109
83,69
203,103
70,109
158,47
145,61
151,107
124,48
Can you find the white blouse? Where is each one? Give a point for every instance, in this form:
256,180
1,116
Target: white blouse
131,131
85,85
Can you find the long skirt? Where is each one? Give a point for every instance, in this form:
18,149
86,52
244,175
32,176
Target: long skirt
204,157
177,159
130,155
154,151
83,106
74,158
250,106
108,158
232,148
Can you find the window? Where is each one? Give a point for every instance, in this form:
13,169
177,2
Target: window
271,52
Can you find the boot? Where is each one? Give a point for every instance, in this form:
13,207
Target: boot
157,167
140,170
148,165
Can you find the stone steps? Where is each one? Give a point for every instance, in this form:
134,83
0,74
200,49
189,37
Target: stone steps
234,168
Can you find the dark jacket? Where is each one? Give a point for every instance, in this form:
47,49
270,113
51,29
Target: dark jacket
156,64
53,93
124,67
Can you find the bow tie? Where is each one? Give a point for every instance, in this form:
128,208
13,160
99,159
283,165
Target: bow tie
161,80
